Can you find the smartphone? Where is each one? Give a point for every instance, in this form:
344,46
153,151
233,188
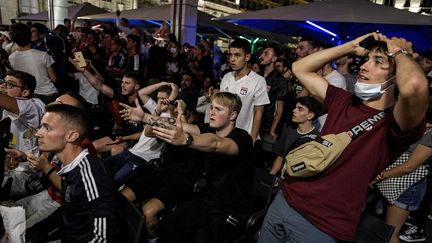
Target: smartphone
80,57
368,43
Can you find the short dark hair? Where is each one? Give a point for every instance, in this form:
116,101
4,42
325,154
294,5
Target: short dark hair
312,104
276,48
125,20
137,41
166,89
242,44
312,41
28,81
134,76
42,29
65,20
21,34
82,103
73,115
427,55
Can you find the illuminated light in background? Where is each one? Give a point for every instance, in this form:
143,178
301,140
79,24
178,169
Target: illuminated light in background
322,28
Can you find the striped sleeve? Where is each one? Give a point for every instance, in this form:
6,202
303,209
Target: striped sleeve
88,180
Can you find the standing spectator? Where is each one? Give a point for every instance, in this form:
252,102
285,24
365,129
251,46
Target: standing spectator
35,62
249,86
327,207
133,62
37,40
343,67
277,91
426,63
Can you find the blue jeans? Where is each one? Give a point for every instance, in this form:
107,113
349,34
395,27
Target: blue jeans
125,165
282,223
411,199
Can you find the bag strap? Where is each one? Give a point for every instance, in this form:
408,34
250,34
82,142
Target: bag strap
354,132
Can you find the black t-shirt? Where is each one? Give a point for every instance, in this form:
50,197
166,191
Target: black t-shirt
229,178
277,89
205,65
128,127
288,138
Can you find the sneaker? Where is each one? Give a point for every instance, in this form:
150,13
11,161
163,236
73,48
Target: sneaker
412,234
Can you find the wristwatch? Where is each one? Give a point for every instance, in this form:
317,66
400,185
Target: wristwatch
189,139
400,51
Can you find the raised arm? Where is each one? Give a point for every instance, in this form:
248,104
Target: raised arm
145,92
410,108
94,81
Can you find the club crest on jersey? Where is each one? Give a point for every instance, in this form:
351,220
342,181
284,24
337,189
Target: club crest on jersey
243,90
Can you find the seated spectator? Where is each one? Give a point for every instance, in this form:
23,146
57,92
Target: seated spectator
306,110
25,113
219,213
87,193
169,184
129,163
41,205
130,131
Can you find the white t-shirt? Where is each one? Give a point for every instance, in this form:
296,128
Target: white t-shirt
25,124
86,90
147,148
336,79
36,63
252,90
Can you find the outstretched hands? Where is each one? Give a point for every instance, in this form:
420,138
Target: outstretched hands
171,133
132,113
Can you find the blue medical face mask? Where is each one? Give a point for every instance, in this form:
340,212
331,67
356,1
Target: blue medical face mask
371,91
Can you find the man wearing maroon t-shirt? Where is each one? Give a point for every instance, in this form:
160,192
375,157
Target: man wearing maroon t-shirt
327,207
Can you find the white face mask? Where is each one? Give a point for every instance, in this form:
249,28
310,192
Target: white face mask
371,91
173,50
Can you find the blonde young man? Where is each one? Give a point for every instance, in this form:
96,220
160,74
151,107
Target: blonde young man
326,207
219,214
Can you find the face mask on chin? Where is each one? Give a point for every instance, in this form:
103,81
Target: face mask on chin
371,91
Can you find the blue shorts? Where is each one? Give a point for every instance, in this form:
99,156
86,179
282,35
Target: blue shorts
410,200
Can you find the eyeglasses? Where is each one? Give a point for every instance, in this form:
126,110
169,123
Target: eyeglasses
10,85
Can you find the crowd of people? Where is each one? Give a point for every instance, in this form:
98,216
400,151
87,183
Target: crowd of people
90,114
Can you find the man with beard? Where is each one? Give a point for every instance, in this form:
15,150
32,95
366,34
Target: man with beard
130,131
277,90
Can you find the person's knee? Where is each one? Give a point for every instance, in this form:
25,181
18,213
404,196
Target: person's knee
152,208
128,194
118,148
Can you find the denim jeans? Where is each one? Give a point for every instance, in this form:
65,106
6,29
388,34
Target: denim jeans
282,223
411,199
125,165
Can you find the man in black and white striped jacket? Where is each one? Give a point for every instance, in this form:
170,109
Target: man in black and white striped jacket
88,202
